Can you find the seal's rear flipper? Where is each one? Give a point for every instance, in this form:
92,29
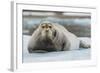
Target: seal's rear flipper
85,42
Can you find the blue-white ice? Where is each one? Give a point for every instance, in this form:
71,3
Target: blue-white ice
81,54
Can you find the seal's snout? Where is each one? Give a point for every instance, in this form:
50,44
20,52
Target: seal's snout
46,30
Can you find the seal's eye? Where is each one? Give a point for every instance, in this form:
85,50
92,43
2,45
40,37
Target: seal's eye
43,26
50,26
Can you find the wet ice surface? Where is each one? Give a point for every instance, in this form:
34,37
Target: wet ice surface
81,54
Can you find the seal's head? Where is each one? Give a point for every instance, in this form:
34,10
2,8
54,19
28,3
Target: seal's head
47,30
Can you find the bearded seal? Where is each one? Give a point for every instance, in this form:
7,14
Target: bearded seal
50,37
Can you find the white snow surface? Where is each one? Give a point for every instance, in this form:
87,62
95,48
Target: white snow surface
81,54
